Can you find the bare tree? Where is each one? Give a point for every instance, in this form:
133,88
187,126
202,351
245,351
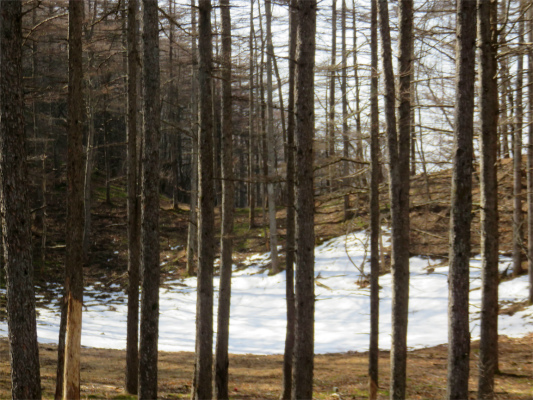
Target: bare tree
398,146
75,205
530,159
132,339
202,381
16,219
461,204
302,384
226,240
373,353
150,204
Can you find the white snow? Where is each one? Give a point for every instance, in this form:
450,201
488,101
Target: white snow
258,306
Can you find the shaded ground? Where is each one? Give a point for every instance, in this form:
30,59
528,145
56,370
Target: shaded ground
259,377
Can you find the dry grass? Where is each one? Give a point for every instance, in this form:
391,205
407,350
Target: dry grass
337,376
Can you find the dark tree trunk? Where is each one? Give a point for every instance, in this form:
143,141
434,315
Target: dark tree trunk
16,221
302,384
226,241
518,216
75,206
488,346
373,353
251,107
132,340
398,146
291,228
202,385
530,160
150,204
461,204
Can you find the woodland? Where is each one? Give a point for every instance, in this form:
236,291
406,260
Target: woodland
144,142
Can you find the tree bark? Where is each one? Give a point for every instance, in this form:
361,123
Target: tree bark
530,159
150,204
488,346
461,204
302,385
290,223
398,146
332,73
373,353
202,382
518,216
271,145
75,205
16,219
345,138
192,232
226,240
251,107
132,337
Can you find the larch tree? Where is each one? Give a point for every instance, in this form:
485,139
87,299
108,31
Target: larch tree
226,240
461,203
75,205
271,144
202,387
373,353
331,100
530,158
132,335
398,146
251,121
192,231
15,211
488,67
518,215
302,383
290,223
345,136
149,328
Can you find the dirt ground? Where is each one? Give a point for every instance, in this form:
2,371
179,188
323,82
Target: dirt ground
337,376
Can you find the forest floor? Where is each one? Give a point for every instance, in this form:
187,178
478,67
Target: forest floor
259,377
337,376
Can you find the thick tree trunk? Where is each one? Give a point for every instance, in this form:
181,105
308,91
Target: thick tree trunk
202,384
290,223
518,216
373,353
488,347
271,145
530,160
226,240
132,339
399,184
75,205
461,204
302,384
16,220
150,204
192,232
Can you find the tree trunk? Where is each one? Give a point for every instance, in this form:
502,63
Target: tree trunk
132,340
345,138
226,241
488,346
271,145
518,217
330,136
192,232
399,184
16,219
150,204
461,204
75,206
373,353
202,385
251,107
291,229
302,385
530,159
358,132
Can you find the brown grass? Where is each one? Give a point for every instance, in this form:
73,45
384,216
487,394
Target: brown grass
337,376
